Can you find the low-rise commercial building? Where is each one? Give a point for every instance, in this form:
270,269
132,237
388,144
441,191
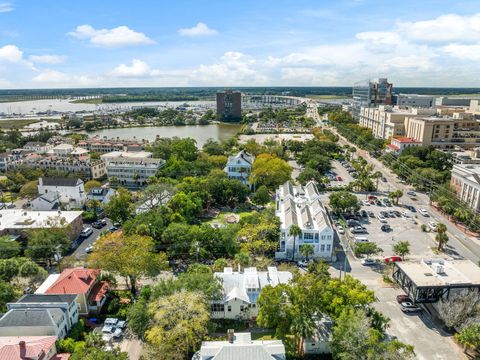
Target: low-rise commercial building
415,100
301,206
239,166
465,181
18,221
431,280
397,145
470,156
242,289
241,346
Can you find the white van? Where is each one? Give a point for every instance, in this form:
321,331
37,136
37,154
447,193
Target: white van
360,239
86,232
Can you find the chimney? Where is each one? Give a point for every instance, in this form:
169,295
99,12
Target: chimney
230,335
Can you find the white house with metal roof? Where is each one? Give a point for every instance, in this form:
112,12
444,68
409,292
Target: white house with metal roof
242,289
240,346
69,191
301,205
239,166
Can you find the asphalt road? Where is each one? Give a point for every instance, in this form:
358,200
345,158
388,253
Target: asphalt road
79,252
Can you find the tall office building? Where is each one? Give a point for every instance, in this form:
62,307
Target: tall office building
370,93
229,105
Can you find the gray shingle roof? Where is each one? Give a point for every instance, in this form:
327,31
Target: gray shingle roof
31,317
58,181
47,298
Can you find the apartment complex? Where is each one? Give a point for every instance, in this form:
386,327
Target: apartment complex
466,183
103,145
370,93
132,172
389,121
301,206
241,290
229,105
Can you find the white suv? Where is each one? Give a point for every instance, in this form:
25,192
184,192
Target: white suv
424,212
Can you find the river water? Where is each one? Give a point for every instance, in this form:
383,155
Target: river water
200,133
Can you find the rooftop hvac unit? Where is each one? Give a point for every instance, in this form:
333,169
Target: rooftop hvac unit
439,269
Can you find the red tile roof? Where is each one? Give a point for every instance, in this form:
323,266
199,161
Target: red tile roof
393,147
405,140
98,291
74,281
62,356
35,347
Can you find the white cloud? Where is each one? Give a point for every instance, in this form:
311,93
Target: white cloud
110,38
137,69
6,7
11,53
463,52
445,28
51,76
233,68
201,29
47,59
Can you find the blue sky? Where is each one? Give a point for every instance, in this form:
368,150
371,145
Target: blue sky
50,44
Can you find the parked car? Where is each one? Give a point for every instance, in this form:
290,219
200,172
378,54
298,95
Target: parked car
406,214
397,213
371,214
364,213
424,212
89,249
99,224
381,218
386,228
367,262
109,332
339,178
411,208
391,213
86,232
384,179
358,230
411,193
408,307
340,229
403,298
365,202
360,239
110,322
390,259
432,225
112,228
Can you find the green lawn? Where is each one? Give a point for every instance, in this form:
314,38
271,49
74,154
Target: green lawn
221,216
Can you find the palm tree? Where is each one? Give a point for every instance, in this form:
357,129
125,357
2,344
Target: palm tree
242,259
377,175
441,237
307,250
303,327
294,231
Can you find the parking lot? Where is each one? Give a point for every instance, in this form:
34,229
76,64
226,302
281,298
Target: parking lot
339,175
405,226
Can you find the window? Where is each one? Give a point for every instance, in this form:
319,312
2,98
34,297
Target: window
322,248
229,308
218,307
316,236
308,236
241,307
328,247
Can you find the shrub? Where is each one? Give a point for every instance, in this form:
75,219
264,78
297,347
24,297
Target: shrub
89,216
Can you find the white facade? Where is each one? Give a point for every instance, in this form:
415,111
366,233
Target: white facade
131,171
466,183
70,192
239,166
301,206
414,100
241,346
242,289
38,147
397,145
